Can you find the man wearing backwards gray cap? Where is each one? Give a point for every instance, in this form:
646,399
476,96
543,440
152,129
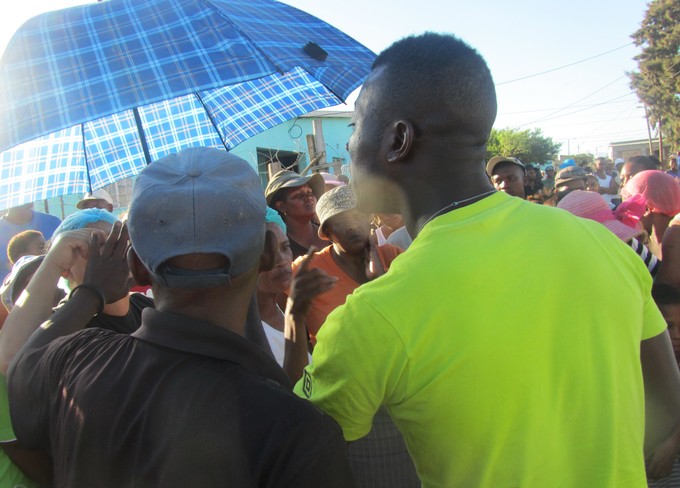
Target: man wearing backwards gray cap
186,400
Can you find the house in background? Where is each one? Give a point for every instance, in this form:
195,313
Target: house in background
319,137
637,147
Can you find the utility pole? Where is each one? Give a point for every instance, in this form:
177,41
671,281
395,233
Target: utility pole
649,131
660,142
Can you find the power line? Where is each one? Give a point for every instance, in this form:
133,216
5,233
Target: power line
556,108
547,117
587,108
562,67
604,124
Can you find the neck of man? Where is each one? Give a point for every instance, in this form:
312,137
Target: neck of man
224,306
354,265
427,201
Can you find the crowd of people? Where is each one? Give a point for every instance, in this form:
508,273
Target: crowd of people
371,333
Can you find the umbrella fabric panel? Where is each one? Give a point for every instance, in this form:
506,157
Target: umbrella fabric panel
113,150
112,86
69,66
244,110
42,168
175,124
288,30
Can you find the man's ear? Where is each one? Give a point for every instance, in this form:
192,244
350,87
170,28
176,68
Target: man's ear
139,272
268,257
280,206
400,140
324,234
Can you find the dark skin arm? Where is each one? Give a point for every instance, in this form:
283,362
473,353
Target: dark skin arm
107,270
662,402
307,284
660,460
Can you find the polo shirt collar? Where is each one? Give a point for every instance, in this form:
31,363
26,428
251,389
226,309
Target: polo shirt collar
197,337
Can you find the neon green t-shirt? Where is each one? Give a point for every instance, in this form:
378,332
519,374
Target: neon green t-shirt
487,391
10,474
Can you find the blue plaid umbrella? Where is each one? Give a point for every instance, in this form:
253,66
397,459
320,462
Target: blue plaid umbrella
90,95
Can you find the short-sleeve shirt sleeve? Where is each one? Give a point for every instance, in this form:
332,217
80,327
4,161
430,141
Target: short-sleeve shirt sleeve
350,379
654,323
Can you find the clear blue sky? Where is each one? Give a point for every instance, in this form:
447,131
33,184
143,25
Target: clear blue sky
584,106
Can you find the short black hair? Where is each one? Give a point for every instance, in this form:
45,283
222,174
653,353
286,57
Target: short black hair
441,79
19,244
645,161
665,294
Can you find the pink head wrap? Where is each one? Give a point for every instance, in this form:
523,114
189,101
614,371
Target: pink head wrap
660,190
593,206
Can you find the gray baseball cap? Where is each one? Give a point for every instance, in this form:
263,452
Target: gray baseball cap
200,200
496,160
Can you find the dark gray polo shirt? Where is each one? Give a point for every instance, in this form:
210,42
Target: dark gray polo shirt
179,403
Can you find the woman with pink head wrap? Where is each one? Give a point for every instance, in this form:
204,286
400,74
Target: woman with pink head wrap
661,193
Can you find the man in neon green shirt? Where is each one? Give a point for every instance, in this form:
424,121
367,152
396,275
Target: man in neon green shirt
484,396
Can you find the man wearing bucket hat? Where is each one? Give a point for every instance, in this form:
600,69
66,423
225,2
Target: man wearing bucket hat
353,258
294,196
187,380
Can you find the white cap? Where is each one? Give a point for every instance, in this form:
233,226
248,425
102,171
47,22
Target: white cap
100,194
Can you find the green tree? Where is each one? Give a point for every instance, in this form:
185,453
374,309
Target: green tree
657,81
529,146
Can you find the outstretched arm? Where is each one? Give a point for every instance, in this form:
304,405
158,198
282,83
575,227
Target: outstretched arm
34,305
307,284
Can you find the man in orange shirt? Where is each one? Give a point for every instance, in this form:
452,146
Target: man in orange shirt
353,258
380,459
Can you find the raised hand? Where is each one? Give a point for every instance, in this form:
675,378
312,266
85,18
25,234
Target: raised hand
68,248
374,266
307,284
107,267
